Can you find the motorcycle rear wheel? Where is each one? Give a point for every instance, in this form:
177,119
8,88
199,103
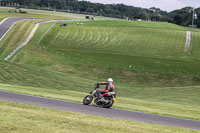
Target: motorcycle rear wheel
108,105
87,100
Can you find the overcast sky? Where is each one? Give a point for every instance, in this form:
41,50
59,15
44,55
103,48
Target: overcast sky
166,5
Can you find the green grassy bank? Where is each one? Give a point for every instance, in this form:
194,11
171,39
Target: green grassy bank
143,53
19,118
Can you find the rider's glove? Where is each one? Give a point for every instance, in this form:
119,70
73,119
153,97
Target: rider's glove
97,85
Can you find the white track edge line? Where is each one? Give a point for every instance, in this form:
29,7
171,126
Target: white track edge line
8,29
3,20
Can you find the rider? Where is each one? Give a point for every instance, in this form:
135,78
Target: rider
109,87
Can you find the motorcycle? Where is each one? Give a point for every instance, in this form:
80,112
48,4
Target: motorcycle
107,100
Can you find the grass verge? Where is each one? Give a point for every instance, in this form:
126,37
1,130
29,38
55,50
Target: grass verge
19,118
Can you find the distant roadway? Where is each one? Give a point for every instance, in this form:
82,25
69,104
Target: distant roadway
7,25
99,111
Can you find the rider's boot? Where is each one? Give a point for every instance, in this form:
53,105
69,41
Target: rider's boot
103,100
99,97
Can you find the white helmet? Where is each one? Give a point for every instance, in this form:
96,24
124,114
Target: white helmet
110,80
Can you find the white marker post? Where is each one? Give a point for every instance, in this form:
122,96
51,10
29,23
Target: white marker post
188,40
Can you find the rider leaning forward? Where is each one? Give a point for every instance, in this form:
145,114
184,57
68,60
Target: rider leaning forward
109,87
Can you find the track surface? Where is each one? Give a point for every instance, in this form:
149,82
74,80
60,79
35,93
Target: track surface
7,24
93,110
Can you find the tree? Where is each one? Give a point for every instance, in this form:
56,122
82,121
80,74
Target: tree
183,16
198,17
90,10
108,10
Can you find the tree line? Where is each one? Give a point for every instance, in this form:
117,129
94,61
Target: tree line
181,16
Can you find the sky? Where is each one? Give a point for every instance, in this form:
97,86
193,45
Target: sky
166,5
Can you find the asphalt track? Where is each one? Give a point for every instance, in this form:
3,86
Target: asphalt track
94,110
7,25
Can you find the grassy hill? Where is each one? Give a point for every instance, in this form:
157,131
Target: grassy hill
142,53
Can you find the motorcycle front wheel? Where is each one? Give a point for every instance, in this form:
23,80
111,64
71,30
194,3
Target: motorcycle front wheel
87,100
